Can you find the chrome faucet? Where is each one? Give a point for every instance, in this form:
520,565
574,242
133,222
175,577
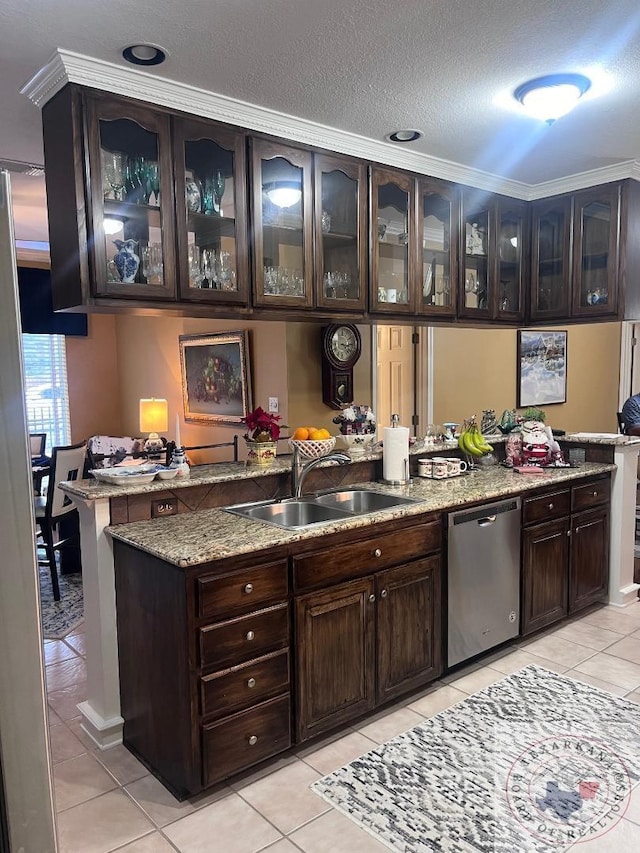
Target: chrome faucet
300,469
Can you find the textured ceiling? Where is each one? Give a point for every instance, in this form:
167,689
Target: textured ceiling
446,67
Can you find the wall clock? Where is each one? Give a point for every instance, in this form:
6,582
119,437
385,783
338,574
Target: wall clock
341,347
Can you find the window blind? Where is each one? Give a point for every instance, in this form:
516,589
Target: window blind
46,389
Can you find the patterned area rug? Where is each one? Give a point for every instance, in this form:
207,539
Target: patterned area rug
60,617
534,763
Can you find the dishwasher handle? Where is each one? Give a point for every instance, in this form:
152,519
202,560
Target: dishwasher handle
485,515
487,520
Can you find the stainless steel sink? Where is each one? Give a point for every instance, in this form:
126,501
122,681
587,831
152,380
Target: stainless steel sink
291,514
359,501
294,513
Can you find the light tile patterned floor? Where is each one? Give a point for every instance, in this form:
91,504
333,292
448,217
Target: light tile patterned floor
107,801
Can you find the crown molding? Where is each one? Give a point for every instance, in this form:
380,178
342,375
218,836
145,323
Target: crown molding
69,67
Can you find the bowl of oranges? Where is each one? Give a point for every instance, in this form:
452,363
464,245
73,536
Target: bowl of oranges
312,442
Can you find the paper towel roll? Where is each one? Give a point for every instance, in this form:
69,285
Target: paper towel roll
395,453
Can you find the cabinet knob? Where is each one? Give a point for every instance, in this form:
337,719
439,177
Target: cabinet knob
372,597
377,553
248,588
383,593
550,506
251,682
253,740
595,494
250,635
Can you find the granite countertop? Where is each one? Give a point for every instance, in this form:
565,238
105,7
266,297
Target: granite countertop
199,537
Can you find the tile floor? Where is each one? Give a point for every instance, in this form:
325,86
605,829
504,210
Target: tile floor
107,801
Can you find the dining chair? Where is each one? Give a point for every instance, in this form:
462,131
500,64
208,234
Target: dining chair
67,463
37,443
621,425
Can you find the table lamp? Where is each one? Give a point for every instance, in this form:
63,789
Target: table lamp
154,419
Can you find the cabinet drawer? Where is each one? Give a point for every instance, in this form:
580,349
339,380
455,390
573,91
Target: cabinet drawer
241,686
245,637
219,595
244,739
546,507
591,494
362,558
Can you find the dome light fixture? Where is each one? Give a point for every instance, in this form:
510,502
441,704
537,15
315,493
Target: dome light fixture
283,193
404,135
553,96
144,54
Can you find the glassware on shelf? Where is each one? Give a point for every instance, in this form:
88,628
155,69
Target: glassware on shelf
338,285
219,182
280,281
195,271
152,266
325,222
114,164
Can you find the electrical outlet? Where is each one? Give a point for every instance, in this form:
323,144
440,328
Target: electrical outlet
273,404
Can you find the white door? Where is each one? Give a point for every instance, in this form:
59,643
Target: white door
395,375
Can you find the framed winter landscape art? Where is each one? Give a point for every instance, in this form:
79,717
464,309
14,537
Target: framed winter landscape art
542,368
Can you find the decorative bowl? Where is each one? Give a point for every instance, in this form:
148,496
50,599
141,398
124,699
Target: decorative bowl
356,444
164,473
313,449
123,476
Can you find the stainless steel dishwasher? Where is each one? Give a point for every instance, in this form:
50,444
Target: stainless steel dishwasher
483,578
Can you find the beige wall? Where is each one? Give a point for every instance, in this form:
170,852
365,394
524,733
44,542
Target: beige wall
92,373
475,369
304,369
148,357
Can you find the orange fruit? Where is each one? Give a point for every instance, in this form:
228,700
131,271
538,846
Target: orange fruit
301,434
317,434
325,433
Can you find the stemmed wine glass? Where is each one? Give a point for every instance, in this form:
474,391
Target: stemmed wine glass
114,164
219,182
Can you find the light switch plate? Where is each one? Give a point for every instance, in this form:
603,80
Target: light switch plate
273,405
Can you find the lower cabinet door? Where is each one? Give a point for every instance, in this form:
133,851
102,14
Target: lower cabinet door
545,565
245,738
589,565
408,639
335,666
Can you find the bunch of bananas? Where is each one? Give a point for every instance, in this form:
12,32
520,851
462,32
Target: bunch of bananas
471,440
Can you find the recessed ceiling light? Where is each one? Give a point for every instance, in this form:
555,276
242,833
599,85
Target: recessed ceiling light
550,97
404,135
144,54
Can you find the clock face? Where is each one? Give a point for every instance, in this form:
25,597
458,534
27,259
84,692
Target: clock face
344,344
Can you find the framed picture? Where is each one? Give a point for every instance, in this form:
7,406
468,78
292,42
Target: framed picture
216,380
542,368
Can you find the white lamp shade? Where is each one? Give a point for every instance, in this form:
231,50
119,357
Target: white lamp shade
551,97
154,415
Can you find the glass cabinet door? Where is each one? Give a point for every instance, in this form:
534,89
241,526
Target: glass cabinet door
595,259
210,213
550,261
283,234
340,233
437,266
392,223
132,228
510,278
476,239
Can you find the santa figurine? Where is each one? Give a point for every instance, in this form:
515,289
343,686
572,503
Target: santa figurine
535,444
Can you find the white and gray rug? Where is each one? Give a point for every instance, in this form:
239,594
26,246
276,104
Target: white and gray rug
531,764
59,618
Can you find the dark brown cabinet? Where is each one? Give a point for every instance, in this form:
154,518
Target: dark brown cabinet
437,267
565,559
366,641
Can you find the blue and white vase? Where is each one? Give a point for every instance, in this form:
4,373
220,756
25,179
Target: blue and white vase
126,260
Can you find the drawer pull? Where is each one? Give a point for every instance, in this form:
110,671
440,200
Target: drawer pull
372,598
251,682
250,635
550,506
377,553
248,588
594,494
383,593
253,740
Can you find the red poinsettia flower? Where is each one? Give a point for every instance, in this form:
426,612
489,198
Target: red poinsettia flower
262,426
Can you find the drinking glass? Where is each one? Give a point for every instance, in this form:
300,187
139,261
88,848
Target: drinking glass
195,272
114,164
219,182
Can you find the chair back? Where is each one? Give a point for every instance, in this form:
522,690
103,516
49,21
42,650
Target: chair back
621,424
67,463
37,443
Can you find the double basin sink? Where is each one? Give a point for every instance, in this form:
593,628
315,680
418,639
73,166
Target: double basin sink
298,513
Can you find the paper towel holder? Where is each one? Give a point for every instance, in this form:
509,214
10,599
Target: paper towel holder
395,421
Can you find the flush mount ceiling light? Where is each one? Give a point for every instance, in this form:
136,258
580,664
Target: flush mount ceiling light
548,98
144,54
404,135
111,224
283,193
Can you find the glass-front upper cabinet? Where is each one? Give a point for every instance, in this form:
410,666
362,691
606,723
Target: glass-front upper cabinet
132,200
511,252
392,239
282,225
210,213
340,233
550,258
596,218
438,208
476,237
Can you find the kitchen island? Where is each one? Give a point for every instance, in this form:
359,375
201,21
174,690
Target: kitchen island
103,506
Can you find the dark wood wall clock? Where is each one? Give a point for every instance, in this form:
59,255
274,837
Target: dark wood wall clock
341,347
